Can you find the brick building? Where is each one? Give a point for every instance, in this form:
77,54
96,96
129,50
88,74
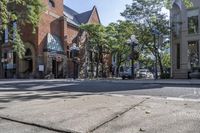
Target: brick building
48,50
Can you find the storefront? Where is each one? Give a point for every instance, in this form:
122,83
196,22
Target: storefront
54,58
8,63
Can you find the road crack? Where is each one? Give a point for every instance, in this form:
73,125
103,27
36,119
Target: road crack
119,114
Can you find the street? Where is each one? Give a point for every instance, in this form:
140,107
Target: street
99,87
98,106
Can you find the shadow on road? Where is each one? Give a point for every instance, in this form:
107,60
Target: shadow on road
26,91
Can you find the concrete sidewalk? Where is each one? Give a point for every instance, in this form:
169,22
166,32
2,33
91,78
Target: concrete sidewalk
99,113
160,81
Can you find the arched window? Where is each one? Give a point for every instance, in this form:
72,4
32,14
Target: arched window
51,3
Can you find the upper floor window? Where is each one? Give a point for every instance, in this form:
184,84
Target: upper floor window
51,3
5,36
193,22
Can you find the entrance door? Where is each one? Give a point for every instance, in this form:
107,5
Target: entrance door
54,68
30,65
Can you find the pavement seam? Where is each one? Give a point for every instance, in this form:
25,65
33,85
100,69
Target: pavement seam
37,125
116,116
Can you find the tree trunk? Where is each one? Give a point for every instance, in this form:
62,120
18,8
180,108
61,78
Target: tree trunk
160,64
118,64
97,67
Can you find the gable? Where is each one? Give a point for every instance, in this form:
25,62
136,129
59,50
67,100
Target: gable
94,18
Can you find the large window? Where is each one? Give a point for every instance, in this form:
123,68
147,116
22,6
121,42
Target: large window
193,23
6,35
176,20
193,53
9,33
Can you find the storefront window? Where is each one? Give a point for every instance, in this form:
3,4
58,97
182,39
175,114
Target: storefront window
9,64
193,53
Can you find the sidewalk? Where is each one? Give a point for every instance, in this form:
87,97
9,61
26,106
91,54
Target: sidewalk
100,113
162,81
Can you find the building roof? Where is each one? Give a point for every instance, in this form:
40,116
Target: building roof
77,18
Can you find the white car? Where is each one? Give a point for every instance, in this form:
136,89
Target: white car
144,73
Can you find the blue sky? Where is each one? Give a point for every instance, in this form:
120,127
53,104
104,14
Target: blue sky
109,10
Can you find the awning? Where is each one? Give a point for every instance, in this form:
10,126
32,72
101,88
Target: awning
53,44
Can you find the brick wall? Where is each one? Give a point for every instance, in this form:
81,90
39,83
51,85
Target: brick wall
50,23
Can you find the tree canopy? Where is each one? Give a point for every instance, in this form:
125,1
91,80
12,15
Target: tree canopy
96,43
147,15
22,12
118,34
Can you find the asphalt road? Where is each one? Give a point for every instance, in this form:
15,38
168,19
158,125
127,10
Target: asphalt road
103,87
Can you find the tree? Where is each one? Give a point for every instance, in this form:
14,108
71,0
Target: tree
21,12
118,34
146,15
97,44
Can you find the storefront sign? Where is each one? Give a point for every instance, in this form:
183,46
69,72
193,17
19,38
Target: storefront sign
41,68
59,59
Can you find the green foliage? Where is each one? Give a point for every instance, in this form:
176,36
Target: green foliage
146,15
18,45
97,43
166,60
96,35
23,12
118,34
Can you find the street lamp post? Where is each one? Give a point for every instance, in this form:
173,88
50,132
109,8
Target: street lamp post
155,32
74,49
133,42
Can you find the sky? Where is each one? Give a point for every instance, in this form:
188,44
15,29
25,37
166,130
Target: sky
109,10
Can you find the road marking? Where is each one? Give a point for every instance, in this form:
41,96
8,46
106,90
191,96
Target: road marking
182,99
116,95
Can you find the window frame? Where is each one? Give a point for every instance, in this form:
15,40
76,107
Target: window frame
192,13
195,19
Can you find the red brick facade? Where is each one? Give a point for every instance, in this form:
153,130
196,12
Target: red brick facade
42,63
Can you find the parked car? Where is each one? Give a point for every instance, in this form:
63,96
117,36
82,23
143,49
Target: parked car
194,73
144,73
126,74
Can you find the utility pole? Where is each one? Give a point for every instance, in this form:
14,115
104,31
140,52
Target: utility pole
155,32
156,58
132,62
133,42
